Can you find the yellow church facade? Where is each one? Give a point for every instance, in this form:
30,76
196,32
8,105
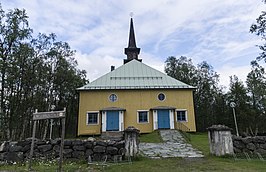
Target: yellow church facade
176,101
136,95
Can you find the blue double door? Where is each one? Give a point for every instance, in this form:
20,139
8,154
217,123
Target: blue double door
112,121
163,119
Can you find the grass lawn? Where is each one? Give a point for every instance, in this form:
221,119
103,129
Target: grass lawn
198,140
201,142
153,137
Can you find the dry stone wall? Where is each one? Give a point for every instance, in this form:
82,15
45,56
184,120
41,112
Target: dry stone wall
94,150
250,144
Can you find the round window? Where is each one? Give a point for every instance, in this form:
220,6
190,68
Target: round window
161,97
113,97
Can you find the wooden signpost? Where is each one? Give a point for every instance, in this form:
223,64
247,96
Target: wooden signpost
49,115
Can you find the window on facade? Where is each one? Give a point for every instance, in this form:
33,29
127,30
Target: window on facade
113,97
181,115
92,118
161,97
143,116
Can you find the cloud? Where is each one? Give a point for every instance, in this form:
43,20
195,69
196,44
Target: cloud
228,70
95,65
212,30
241,72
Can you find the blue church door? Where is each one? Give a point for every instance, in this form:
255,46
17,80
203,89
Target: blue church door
163,119
112,121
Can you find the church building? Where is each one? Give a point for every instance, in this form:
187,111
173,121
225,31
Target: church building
136,95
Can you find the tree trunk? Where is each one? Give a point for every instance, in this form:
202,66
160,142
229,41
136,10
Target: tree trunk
46,128
22,134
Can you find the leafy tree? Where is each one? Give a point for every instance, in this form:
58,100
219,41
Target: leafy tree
181,69
206,95
208,92
35,73
256,78
256,85
238,94
212,104
14,30
222,110
259,28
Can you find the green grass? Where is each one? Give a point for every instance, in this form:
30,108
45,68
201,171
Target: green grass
177,164
153,137
48,166
199,140
208,163
154,165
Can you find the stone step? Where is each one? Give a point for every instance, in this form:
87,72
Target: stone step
112,135
174,146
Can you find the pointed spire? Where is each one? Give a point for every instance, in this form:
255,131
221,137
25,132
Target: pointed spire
132,51
132,41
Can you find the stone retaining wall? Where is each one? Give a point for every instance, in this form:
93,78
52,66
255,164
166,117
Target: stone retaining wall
250,144
73,149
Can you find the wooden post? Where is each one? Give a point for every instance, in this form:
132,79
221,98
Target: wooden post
62,142
32,142
51,128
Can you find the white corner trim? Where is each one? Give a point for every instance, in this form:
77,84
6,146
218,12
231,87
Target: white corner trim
121,120
104,121
155,120
171,117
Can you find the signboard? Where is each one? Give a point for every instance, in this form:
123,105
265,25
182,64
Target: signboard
48,115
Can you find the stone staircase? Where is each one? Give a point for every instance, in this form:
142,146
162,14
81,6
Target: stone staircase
112,135
174,145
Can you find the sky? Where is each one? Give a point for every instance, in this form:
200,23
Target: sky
216,31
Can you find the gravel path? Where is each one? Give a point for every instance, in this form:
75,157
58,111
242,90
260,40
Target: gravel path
174,146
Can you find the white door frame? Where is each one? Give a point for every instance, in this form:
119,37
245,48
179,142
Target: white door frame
120,122
171,118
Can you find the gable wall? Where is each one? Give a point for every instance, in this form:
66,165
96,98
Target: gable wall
133,100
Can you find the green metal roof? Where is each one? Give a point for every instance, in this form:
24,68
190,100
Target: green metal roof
135,75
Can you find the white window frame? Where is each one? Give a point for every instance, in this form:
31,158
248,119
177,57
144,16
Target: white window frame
87,117
178,110
148,120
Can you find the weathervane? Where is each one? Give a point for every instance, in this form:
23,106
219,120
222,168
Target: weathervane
131,14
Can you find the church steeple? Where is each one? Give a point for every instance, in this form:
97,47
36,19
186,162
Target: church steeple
132,51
